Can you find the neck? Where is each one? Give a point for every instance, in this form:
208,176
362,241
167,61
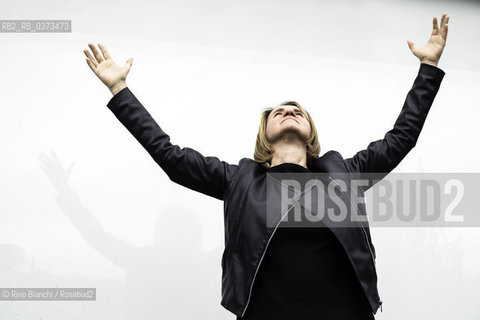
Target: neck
289,149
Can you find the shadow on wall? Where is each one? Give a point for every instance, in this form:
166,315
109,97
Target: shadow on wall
169,279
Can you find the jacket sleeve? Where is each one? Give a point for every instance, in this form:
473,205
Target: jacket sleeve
383,155
184,166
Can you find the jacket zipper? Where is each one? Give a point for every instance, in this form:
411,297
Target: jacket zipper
364,232
365,235
263,254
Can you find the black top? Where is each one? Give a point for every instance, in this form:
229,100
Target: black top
306,274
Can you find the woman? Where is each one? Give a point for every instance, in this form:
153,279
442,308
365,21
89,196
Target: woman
306,273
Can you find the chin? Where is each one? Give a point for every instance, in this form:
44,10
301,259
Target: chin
288,132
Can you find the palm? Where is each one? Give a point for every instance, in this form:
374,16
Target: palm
110,73
432,51
105,67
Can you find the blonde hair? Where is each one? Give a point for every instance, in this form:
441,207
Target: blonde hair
263,150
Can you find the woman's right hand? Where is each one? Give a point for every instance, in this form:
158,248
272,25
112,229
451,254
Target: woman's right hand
112,75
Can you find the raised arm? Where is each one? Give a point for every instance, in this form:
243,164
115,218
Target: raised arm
383,155
184,166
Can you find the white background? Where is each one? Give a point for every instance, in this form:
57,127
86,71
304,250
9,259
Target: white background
205,70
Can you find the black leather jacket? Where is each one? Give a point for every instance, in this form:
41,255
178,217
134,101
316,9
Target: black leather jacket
242,187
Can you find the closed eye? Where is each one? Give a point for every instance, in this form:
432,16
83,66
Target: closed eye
280,112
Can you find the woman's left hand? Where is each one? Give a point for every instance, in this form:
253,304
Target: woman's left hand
431,52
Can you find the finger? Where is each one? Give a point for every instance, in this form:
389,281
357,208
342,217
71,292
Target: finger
442,22
435,25
92,66
104,51
411,45
97,54
87,53
89,56
128,64
444,29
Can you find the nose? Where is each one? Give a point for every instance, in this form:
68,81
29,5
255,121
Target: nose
289,112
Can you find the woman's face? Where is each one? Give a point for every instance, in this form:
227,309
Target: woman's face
285,120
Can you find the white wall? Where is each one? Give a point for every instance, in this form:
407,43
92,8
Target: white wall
205,71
